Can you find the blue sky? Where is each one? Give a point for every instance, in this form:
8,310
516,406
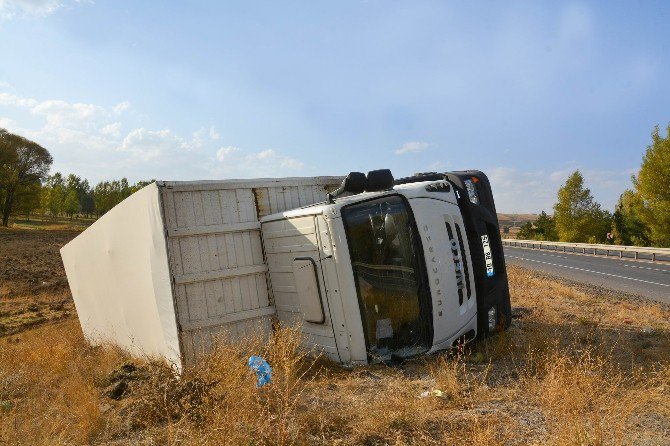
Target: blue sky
525,91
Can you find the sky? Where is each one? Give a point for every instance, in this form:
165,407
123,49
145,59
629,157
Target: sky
525,91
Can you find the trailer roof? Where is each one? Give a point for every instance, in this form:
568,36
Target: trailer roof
249,182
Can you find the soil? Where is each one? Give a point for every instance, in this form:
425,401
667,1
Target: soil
33,285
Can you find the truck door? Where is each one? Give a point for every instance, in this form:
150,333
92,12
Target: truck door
294,255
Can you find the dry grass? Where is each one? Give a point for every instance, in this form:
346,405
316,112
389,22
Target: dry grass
51,378
48,223
576,368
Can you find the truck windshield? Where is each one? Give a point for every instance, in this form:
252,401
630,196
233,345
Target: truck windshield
389,272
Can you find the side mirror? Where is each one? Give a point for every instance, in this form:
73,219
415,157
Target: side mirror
379,180
354,183
307,287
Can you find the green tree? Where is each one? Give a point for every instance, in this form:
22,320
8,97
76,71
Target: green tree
75,193
86,202
627,225
53,195
653,186
22,164
140,184
526,231
108,194
102,197
544,228
28,199
578,216
71,203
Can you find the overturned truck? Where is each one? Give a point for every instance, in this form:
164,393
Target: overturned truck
372,268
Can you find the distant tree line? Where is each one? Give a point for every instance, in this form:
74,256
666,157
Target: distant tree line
641,216
26,188
70,196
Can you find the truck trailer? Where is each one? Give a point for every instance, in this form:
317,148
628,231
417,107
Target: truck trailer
371,268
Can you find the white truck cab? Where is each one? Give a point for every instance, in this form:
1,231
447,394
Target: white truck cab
392,269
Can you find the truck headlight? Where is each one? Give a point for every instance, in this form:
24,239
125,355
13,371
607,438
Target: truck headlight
493,316
472,191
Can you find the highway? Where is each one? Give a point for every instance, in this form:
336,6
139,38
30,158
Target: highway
642,278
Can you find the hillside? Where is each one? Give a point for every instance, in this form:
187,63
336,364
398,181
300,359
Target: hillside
510,223
515,219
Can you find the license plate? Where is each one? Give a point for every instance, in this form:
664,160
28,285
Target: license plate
488,259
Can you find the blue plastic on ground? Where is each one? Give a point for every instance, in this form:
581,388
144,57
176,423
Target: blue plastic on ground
262,369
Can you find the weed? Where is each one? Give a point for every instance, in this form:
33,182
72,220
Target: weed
552,379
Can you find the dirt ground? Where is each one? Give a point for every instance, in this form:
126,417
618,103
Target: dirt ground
33,286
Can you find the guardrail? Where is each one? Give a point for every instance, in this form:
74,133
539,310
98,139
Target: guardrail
595,249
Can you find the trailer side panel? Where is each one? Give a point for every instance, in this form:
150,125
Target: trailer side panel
216,253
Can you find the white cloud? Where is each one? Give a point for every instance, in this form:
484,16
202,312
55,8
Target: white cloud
16,101
412,147
31,8
120,107
149,144
264,163
88,139
113,129
264,155
59,113
224,152
64,114
291,163
201,138
28,7
69,130
271,158
75,141
196,140
7,124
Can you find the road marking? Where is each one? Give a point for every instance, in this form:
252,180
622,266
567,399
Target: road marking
603,257
645,267
591,271
553,255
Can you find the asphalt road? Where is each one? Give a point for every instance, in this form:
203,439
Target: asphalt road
642,278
